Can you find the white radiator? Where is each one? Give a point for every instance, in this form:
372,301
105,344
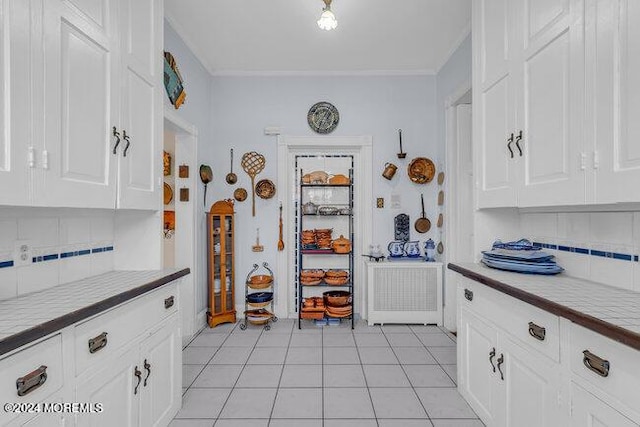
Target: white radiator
404,292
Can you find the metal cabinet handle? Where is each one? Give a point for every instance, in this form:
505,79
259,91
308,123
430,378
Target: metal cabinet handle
538,332
500,362
492,354
168,302
138,375
468,294
147,367
98,343
31,381
509,142
126,138
116,134
518,139
596,364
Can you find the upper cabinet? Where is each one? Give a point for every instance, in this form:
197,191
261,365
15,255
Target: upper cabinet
555,88
95,98
615,31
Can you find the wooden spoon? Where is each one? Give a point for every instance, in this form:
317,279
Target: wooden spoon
280,241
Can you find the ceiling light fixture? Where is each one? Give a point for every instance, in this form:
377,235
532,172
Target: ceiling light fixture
327,20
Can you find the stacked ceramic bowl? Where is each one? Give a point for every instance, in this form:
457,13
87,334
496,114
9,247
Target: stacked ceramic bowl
311,277
323,237
338,303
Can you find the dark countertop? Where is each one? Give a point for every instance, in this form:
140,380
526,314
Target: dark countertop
29,317
612,312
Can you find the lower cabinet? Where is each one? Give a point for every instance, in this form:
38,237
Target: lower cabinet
141,387
506,383
589,410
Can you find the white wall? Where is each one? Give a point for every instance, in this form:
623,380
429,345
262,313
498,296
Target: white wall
609,232
69,245
374,105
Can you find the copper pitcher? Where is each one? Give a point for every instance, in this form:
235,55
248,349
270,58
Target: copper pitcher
389,170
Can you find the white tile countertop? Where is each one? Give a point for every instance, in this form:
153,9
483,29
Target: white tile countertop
610,311
28,317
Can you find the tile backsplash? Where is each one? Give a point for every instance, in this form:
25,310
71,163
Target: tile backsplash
67,245
599,246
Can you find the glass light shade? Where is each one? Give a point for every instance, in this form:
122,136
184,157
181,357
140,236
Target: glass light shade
327,20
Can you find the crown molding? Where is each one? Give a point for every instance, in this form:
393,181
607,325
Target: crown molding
187,41
329,73
466,31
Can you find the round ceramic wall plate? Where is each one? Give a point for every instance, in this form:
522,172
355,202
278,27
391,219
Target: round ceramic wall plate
265,189
323,117
240,194
421,170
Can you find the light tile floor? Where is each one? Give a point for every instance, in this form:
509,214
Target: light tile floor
390,376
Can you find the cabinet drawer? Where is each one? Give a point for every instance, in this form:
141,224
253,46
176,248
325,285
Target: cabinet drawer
614,366
39,370
531,325
100,337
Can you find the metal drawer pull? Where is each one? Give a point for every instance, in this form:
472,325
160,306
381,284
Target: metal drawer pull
538,332
596,364
98,343
168,302
509,142
116,134
31,381
468,294
138,375
492,354
500,362
147,367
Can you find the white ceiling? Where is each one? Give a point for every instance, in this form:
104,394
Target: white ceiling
281,36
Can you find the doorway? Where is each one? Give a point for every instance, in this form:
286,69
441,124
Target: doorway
179,219
459,203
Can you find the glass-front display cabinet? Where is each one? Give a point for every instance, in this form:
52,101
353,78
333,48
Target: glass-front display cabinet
220,251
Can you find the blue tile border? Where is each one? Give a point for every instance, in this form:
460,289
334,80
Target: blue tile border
592,252
61,255
5,264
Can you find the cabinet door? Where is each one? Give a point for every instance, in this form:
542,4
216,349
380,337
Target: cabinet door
112,385
550,101
477,381
617,100
531,385
494,109
588,410
161,361
80,93
141,106
16,106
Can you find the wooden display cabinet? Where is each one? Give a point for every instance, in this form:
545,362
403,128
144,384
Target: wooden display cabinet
220,250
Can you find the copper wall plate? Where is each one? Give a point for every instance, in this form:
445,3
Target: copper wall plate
265,189
167,194
421,170
240,194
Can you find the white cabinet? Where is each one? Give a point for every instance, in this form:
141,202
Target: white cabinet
114,386
141,387
588,410
477,342
615,29
506,380
87,108
529,102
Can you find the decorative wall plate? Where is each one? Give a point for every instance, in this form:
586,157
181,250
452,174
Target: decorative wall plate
265,189
240,194
168,194
401,226
323,117
421,170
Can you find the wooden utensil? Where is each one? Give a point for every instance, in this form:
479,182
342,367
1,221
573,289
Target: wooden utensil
257,247
441,198
206,176
280,241
422,224
253,163
231,177
440,178
440,220
401,155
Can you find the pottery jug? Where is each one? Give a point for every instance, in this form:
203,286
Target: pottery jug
389,170
412,249
396,248
430,250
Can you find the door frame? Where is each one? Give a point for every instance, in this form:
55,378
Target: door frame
186,152
361,148
451,184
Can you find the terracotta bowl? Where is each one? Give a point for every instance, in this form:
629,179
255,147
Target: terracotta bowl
260,279
337,298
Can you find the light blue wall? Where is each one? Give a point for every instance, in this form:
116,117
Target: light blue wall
368,105
453,74
197,111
